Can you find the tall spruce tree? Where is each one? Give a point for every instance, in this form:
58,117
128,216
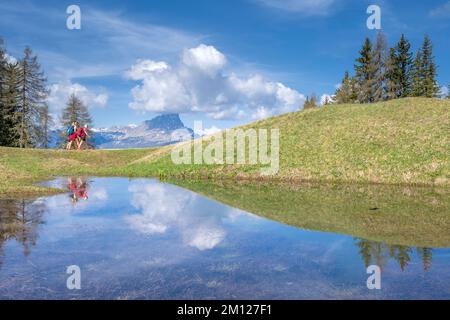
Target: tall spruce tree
378,67
11,99
417,86
45,122
365,73
392,76
425,72
346,93
404,61
3,113
430,69
33,92
311,102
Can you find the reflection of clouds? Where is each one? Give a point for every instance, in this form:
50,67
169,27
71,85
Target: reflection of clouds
204,238
99,194
165,207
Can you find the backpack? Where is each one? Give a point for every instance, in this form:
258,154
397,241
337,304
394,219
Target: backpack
70,131
82,132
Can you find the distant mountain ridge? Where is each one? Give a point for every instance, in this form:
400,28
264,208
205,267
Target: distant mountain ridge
158,131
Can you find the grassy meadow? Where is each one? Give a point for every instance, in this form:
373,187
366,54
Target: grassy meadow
404,141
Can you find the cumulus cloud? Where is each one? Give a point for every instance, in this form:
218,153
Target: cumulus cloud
198,83
60,92
206,58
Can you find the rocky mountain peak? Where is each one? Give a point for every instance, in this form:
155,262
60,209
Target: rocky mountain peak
166,122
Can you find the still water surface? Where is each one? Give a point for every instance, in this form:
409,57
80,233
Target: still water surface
144,239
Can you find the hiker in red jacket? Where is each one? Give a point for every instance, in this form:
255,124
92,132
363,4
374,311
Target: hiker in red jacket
82,136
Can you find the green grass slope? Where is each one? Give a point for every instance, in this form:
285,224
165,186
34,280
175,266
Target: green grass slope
404,141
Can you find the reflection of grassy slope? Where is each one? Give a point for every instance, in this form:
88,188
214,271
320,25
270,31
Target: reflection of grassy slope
417,217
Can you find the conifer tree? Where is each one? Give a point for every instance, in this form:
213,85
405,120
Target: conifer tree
378,68
429,69
11,99
45,122
33,92
3,113
418,76
392,76
404,64
344,92
364,73
311,102
425,72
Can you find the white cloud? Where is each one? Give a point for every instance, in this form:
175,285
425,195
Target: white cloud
205,58
207,131
443,10
144,68
10,59
99,194
60,92
306,7
443,92
325,97
198,83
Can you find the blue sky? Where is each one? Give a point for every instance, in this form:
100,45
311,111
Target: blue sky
222,62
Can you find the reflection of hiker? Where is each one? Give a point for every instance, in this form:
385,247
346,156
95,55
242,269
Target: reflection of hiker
82,136
78,189
72,135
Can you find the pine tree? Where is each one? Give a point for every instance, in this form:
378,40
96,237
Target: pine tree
75,111
33,92
378,69
404,60
425,72
311,102
344,94
364,73
392,76
355,90
45,121
3,113
429,69
11,99
418,76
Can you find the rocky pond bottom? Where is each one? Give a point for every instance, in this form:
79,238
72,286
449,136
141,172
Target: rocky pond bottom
144,239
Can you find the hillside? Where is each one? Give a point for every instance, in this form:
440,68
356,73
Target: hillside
403,141
397,142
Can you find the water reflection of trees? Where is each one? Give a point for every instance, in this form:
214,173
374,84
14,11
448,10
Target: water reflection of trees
380,253
19,220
